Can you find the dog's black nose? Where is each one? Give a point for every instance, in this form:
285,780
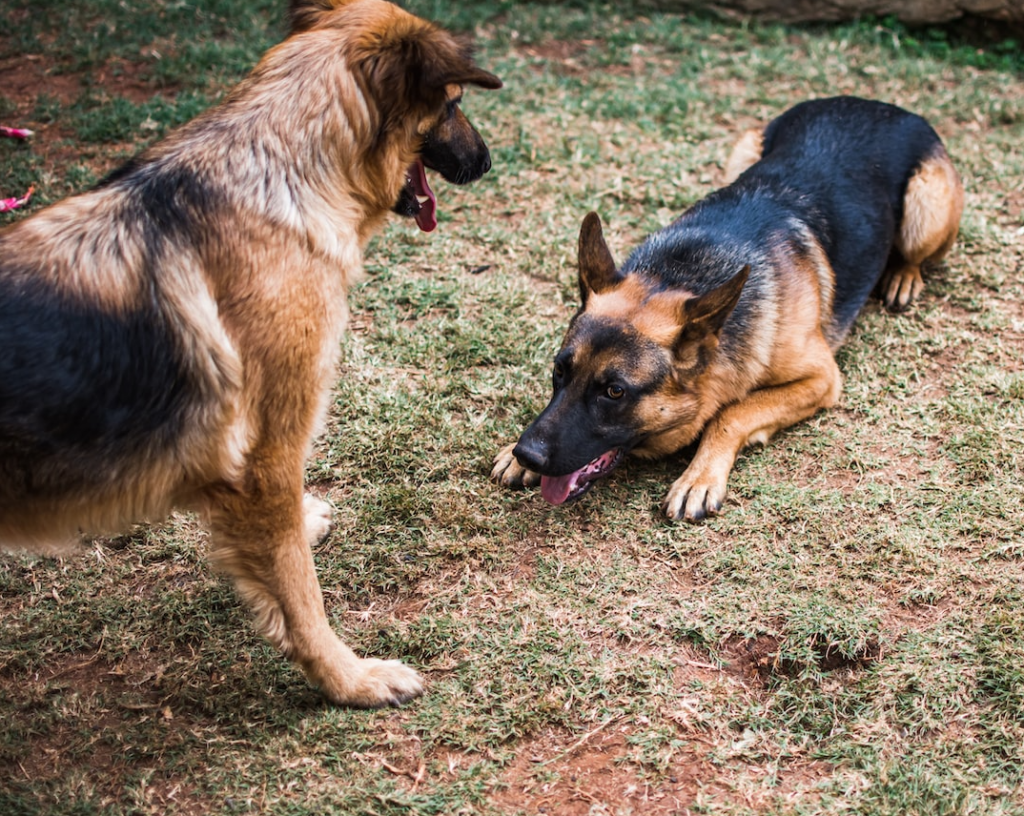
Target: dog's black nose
531,455
486,163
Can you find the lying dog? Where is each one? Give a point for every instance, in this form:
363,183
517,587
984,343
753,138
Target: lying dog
169,337
724,323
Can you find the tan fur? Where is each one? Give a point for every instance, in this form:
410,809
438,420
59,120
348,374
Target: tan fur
932,207
770,384
746,152
654,315
657,316
257,302
790,375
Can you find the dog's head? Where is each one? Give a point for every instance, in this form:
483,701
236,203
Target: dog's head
411,75
629,375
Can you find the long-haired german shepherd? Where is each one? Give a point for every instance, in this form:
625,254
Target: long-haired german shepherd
724,323
168,338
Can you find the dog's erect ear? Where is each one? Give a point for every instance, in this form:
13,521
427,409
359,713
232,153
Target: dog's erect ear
702,318
597,266
708,313
304,14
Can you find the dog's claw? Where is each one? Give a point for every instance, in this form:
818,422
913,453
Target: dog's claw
509,473
693,500
902,287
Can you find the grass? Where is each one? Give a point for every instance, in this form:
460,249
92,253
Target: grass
845,638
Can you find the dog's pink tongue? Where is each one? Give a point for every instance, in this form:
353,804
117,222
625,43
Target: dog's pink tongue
426,218
556,489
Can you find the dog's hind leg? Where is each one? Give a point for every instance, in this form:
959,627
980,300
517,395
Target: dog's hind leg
932,207
263,541
746,152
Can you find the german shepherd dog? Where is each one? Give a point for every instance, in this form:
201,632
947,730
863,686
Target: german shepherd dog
168,338
724,324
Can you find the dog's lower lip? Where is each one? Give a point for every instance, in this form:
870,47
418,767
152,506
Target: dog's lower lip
580,491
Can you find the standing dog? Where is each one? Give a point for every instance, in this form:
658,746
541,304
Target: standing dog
168,338
726,321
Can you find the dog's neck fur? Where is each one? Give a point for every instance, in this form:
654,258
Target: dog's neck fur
327,196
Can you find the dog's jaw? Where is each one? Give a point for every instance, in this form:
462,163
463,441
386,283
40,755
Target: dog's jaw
416,199
560,489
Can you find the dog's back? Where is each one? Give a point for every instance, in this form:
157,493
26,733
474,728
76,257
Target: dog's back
832,176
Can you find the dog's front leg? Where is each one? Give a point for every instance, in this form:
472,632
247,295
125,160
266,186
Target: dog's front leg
263,541
701,489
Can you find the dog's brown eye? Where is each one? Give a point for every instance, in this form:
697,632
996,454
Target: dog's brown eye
615,391
559,370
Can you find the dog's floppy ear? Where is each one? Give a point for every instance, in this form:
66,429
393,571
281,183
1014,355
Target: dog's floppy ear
468,74
435,59
450,62
597,266
701,319
410,64
304,14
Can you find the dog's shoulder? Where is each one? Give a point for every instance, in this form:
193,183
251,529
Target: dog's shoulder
736,226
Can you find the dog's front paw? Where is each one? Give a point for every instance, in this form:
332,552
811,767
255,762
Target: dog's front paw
380,683
509,473
317,518
694,497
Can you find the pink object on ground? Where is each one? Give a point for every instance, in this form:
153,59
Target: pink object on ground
13,203
15,133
